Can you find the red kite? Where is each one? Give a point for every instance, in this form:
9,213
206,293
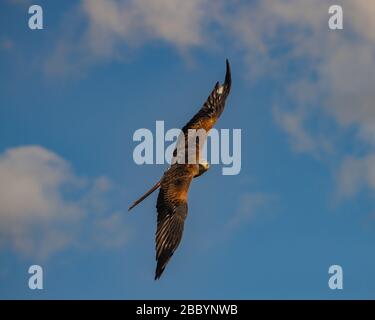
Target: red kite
171,204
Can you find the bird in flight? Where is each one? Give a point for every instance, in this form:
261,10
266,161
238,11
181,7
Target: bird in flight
174,185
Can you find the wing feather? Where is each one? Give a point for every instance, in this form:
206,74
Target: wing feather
206,117
172,211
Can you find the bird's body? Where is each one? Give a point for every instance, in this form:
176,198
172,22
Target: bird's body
172,202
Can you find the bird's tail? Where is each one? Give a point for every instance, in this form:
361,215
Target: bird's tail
155,187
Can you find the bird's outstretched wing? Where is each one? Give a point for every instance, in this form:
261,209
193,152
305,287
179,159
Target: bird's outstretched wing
172,211
209,113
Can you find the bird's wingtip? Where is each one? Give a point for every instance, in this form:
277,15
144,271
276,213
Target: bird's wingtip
158,274
159,270
228,76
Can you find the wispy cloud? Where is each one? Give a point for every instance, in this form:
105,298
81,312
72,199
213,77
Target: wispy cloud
251,208
109,29
354,174
293,124
46,208
251,205
325,78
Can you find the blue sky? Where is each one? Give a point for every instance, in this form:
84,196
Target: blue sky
72,95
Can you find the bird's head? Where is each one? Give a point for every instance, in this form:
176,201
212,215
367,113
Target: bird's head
203,167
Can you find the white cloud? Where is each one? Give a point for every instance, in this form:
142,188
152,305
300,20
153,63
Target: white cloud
333,83
356,173
292,123
328,101
325,77
110,232
110,27
177,22
44,205
30,179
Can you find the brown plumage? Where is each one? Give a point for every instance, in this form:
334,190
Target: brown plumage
172,204
206,117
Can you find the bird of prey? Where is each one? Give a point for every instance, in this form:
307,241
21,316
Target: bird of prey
174,185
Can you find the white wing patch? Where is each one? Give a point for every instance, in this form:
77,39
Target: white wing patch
220,90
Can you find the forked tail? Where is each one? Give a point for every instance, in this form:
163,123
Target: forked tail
156,186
